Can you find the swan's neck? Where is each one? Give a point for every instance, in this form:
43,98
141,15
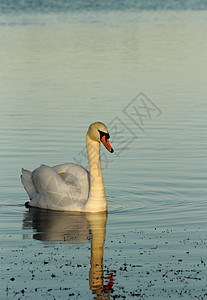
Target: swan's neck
97,198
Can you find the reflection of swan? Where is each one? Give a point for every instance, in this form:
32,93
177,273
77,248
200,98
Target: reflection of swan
50,226
98,229
66,187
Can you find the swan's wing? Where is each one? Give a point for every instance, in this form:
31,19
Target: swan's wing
76,176
63,187
27,182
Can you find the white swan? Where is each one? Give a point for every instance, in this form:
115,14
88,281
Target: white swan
67,187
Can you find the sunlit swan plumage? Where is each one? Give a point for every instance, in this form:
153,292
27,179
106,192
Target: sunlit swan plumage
70,187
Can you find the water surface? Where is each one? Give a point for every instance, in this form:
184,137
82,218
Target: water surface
142,72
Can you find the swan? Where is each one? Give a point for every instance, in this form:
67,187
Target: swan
70,187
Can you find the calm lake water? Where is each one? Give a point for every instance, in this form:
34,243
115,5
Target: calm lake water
141,70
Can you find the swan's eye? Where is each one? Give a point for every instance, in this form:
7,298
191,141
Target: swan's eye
106,134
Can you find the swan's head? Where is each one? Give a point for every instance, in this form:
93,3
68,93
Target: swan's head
99,133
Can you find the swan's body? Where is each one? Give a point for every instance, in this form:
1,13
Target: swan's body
70,187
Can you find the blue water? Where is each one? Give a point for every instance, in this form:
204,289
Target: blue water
46,6
139,67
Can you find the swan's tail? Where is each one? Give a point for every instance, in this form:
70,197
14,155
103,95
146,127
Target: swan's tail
27,182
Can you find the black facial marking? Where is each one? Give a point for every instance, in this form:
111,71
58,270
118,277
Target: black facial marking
107,136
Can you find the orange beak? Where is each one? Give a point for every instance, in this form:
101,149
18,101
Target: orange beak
106,144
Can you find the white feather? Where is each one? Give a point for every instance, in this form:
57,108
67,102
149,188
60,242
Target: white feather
67,187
